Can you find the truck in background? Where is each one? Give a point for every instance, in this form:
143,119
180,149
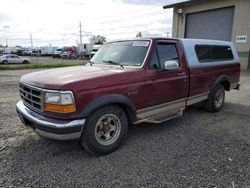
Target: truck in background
85,49
95,48
46,50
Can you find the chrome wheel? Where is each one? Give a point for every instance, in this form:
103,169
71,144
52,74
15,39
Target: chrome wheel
218,98
107,129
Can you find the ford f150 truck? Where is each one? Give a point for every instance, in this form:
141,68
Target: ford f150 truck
127,82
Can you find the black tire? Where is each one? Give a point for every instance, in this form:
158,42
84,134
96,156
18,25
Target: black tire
5,62
216,98
98,125
25,62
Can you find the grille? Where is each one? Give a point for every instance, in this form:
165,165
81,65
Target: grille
31,96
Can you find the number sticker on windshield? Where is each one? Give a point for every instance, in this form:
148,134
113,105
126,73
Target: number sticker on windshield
141,43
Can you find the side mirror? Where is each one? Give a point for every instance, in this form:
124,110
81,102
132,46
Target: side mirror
171,65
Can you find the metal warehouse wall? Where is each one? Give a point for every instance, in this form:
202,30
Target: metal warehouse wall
241,22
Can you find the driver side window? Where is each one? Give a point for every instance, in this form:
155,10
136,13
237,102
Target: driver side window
167,52
164,52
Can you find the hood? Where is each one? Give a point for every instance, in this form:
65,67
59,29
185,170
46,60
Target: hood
69,77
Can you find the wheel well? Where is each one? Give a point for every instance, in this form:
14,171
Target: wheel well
114,99
130,114
226,85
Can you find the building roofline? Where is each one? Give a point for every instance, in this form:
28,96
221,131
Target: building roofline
182,3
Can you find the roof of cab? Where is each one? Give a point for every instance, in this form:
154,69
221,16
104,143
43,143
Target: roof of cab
183,40
143,38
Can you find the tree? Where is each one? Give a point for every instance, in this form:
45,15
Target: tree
97,39
139,34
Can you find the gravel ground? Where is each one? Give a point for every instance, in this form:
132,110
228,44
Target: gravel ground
199,149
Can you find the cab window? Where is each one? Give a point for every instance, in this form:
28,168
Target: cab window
164,52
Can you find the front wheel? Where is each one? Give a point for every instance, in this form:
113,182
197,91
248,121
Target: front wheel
105,130
216,99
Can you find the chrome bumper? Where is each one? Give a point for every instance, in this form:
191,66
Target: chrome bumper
50,127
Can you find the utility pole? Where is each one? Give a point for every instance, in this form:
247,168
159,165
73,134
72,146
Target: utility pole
167,34
80,32
31,41
7,43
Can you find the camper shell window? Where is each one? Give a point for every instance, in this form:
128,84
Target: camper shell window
213,53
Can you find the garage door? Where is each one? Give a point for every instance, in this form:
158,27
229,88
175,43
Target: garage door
212,24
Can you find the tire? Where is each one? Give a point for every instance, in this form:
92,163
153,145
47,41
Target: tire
25,62
105,130
216,98
5,62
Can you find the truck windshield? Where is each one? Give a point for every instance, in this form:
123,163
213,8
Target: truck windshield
127,53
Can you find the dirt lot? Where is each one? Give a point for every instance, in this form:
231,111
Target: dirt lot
199,149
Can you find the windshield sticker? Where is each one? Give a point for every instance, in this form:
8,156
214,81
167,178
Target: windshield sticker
140,43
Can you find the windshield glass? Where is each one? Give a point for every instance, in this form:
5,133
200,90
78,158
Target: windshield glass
130,53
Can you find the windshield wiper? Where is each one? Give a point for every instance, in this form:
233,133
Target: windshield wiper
112,63
91,62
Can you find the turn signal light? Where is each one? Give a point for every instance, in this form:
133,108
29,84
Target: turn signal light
60,108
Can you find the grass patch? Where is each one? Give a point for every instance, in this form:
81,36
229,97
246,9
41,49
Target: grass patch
38,66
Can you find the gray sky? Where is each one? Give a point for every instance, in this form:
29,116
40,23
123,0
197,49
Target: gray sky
56,22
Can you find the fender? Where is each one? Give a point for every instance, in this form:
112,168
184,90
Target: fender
221,79
110,99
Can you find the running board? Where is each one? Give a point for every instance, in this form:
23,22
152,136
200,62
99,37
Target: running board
162,117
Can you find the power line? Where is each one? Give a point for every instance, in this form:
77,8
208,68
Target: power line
125,13
114,20
136,16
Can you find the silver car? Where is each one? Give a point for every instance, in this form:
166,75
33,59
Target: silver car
12,58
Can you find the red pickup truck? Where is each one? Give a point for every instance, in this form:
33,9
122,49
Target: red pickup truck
127,82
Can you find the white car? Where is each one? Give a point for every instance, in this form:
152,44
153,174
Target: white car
12,58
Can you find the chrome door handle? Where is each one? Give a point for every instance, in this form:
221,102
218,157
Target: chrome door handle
182,73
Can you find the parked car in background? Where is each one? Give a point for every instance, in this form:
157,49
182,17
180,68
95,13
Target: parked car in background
26,51
12,58
57,53
69,55
69,52
34,52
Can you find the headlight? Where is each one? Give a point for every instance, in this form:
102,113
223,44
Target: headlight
52,98
59,102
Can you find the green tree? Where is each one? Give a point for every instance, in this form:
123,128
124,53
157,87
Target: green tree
97,39
139,34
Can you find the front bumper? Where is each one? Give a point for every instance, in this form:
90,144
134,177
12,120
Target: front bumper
50,127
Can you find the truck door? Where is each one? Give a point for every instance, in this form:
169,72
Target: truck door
166,78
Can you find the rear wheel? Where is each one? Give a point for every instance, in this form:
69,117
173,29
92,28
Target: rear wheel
5,62
105,130
216,99
25,62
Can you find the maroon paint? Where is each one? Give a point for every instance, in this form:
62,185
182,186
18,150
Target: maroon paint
150,87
